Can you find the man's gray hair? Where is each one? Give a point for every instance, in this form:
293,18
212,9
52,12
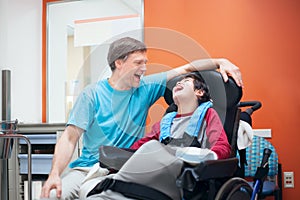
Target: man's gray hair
121,48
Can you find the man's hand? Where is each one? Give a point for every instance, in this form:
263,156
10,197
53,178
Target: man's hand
53,182
226,68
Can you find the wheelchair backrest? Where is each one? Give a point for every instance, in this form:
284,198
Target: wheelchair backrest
225,96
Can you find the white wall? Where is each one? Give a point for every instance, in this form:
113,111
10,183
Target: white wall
21,52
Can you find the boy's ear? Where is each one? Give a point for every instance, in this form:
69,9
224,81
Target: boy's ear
199,93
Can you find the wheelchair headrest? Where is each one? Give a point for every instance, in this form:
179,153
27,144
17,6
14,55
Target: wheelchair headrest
224,95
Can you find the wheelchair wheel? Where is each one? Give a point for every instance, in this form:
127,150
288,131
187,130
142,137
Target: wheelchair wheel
234,189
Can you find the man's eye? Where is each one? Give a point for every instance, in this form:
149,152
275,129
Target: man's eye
139,63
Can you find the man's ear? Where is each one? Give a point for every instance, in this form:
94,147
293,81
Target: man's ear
118,63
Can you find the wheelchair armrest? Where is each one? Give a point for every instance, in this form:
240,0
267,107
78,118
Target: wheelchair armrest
113,158
216,168
209,169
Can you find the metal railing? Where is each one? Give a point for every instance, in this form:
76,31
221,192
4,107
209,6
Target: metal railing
8,133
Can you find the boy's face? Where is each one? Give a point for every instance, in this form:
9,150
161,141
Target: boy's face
132,68
184,91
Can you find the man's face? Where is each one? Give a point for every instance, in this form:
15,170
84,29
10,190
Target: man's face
132,69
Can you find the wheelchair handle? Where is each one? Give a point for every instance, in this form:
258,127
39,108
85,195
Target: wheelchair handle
266,156
255,105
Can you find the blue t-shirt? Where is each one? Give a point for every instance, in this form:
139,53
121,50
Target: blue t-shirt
113,117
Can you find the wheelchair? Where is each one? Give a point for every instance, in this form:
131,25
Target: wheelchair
210,179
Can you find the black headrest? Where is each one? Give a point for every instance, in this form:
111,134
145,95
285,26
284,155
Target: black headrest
224,95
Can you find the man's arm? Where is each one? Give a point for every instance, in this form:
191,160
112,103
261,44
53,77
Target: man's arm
62,155
224,66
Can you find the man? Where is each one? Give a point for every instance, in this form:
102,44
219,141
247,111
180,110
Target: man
113,111
193,132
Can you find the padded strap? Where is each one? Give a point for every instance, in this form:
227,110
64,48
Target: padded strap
185,141
130,190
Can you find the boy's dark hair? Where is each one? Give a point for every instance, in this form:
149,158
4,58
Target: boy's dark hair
199,84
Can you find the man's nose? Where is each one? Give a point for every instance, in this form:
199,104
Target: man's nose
143,67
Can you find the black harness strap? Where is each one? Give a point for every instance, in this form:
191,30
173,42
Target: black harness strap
128,189
185,141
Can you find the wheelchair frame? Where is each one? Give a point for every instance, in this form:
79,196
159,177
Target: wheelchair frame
216,179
